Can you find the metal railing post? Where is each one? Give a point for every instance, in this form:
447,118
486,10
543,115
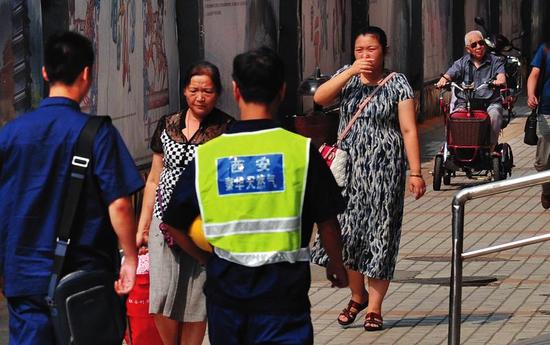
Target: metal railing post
459,202
455,300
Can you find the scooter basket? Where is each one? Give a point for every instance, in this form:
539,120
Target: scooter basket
466,130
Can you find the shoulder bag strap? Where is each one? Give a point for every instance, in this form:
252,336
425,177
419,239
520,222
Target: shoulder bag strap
362,106
79,165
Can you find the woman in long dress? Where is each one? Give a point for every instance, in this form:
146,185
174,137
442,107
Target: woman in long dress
376,172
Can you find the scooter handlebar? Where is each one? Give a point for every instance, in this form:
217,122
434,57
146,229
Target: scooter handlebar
451,84
467,87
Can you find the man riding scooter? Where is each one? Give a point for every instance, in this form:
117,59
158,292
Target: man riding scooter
477,67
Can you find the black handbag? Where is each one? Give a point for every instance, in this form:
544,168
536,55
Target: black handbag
84,307
530,136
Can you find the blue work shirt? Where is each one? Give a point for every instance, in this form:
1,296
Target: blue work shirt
35,153
278,287
544,97
464,70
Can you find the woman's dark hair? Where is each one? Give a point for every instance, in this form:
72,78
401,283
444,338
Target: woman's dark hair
259,74
66,54
377,32
204,68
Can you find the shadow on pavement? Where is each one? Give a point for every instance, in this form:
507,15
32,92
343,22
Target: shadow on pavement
433,320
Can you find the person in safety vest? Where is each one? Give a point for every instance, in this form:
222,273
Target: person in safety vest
259,189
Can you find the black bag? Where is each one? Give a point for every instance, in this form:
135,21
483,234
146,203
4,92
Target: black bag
84,306
87,310
530,137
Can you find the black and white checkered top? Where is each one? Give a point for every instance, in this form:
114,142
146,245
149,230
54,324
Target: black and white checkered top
178,152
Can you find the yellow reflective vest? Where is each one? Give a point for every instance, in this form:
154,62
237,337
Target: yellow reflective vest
250,188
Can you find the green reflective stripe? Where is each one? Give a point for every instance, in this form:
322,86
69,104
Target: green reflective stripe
259,242
258,259
251,226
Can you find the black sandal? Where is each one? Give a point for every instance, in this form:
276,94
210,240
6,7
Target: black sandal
351,314
373,322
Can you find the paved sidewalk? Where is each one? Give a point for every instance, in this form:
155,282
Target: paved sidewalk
514,309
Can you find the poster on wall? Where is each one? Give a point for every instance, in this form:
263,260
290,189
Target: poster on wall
326,30
136,71
232,27
435,31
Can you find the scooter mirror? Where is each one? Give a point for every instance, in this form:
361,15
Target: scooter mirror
489,43
479,21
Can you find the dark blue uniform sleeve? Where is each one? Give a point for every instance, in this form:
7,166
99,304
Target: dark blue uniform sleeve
184,206
537,59
114,168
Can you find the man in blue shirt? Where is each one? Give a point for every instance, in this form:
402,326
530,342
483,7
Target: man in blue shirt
258,297
542,161
478,67
35,153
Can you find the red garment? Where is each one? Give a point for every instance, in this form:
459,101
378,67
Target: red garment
141,326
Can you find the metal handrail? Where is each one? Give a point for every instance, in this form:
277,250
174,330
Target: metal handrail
458,256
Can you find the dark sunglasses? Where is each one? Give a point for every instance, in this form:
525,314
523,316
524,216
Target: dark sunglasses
473,45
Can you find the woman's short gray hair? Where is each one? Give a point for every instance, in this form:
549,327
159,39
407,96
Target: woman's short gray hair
466,41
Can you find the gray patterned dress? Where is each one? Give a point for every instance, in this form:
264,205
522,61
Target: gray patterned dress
371,223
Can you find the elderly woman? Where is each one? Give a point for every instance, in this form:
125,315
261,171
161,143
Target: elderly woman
176,297
371,223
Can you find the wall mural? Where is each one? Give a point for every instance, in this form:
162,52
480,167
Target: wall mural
325,35
326,30
123,34
232,27
155,69
84,18
137,69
